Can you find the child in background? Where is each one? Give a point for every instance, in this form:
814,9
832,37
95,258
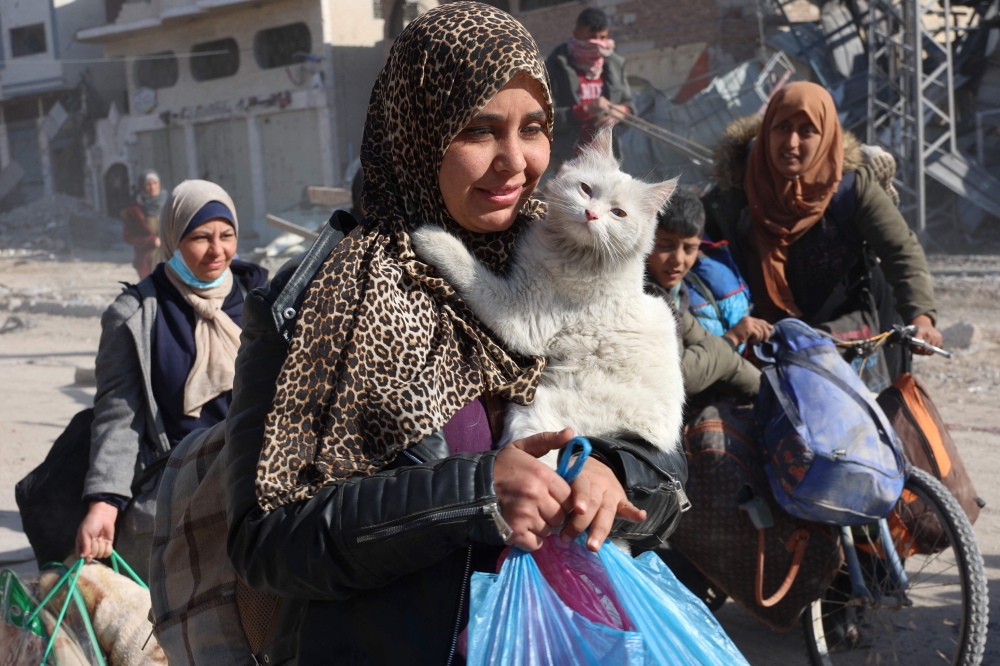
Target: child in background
710,360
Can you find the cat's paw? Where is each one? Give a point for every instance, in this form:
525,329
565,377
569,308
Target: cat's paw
436,247
431,243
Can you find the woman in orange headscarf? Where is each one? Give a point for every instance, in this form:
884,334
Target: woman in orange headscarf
807,212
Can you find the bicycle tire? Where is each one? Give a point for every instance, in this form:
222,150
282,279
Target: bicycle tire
971,641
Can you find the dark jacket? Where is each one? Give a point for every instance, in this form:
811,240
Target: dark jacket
129,440
824,256
128,432
566,94
382,562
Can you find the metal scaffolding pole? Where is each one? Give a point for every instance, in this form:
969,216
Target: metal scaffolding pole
911,92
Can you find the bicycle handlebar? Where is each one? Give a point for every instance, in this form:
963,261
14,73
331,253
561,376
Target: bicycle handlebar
904,335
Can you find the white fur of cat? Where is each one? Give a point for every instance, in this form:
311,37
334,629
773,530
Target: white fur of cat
574,294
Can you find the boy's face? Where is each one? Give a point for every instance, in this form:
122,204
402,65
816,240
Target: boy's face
586,34
672,257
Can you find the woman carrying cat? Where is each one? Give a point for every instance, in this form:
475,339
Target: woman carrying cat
805,217
362,480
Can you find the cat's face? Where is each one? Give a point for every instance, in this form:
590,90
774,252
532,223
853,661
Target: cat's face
595,209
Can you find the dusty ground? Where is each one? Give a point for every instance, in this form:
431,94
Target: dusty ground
38,396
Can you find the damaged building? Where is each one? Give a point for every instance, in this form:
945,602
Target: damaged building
52,89
263,97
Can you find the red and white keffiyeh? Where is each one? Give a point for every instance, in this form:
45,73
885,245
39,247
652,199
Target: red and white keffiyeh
588,55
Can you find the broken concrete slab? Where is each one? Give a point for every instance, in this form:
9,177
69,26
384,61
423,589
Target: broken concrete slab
71,308
961,335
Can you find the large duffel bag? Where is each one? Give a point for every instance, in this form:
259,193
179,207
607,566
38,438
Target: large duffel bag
202,612
929,447
773,572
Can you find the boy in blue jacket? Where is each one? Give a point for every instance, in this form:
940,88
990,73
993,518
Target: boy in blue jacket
709,298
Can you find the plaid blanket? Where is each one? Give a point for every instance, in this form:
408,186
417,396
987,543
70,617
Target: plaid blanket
192,582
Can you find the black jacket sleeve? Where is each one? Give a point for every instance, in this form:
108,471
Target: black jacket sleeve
355,534
653,481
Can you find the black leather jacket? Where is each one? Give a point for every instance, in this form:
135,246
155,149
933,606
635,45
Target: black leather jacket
381,563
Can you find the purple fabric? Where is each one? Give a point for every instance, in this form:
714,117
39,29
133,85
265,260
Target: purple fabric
468,431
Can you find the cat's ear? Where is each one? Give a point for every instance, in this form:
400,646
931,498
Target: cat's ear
603,144
658,195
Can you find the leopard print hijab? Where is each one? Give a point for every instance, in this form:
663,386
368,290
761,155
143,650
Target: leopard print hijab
384,352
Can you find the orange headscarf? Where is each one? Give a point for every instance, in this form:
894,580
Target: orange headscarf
784,209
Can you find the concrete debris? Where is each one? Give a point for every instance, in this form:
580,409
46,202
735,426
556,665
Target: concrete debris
58,224
12,324
961,335
740,92
41,300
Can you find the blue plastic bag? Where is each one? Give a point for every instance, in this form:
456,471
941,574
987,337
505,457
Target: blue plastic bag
677,627
516,617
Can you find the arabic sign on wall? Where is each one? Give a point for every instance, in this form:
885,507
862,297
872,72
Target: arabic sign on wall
242,106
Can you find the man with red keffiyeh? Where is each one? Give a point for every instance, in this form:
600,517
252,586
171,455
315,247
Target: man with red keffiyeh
589,86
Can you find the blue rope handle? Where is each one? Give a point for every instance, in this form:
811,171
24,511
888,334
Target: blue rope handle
564,470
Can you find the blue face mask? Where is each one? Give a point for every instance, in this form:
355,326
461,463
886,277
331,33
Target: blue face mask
177,263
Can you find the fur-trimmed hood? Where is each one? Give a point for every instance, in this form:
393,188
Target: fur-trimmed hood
734,148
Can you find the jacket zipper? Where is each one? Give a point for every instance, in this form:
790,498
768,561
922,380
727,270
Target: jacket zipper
682,497
461,604
924,442
492,510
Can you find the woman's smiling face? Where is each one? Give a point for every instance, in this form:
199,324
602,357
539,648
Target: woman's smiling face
494,164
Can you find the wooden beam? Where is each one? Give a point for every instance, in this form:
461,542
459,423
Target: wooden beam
292,228
329,196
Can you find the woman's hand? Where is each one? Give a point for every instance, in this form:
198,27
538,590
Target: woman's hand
598,498
533,498
96,535
927,333
749,329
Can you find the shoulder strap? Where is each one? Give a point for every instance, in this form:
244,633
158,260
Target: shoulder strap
241,287
770,373
494,414
705,291
844,202
283,310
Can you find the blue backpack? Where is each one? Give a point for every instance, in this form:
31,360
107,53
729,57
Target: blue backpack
831,453
719,295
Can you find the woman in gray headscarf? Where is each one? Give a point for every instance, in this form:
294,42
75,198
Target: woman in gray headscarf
142,221
165,365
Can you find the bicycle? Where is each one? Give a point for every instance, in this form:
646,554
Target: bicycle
914,603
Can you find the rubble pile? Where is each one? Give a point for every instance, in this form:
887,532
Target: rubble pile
57,225
44,299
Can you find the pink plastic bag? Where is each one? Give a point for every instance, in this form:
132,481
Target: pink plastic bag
578,577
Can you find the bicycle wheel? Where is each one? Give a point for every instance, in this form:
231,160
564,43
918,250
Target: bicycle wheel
945,610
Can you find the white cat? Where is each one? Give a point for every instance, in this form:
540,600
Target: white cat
574,294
